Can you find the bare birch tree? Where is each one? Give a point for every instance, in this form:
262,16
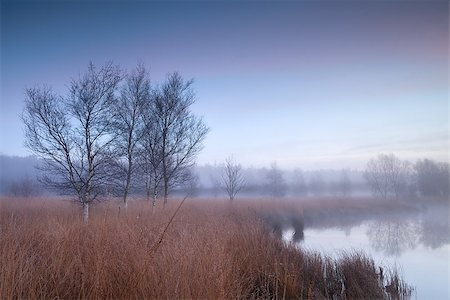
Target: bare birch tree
129,125
72,135
232,178
180,133
150,154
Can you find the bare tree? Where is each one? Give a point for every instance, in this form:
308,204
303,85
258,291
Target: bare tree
151,154
232,178
180,132
387,175
72,135
317,185
192,184
24,187
299,184
432,178
344,184
275,181
129,125
215,182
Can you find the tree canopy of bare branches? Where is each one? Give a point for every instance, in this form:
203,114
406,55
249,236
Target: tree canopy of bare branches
106,132
72,134
129,126
232,178
150,154
179,133
387,175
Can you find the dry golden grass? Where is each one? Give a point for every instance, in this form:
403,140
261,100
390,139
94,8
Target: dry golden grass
213,249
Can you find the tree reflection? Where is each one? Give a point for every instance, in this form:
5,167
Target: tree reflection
279,223
392,237
435,227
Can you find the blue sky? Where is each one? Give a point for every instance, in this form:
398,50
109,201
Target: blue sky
311,84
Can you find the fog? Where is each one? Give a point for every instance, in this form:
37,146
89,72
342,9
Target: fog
414,237
16,170
20,176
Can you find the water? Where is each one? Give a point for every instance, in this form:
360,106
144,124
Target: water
418,244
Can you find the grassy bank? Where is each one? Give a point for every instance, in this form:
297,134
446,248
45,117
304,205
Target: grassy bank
213,249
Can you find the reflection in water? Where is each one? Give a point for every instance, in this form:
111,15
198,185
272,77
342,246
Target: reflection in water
435,228
386,236
279,223
393,237
390,234
298,236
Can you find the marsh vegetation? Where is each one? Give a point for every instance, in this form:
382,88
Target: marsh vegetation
212,249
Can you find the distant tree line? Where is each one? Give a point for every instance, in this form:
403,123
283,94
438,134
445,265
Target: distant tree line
114,131
390,177
234,180
386,176
432,178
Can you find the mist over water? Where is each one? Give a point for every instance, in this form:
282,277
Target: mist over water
416,240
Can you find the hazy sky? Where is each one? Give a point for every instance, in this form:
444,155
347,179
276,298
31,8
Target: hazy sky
311,84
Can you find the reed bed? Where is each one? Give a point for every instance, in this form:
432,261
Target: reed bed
212,249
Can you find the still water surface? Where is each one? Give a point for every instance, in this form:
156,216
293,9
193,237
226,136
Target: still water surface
418,244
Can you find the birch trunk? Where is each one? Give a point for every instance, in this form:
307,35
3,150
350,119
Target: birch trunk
86,213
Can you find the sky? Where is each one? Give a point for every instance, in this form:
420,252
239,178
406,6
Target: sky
308,84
